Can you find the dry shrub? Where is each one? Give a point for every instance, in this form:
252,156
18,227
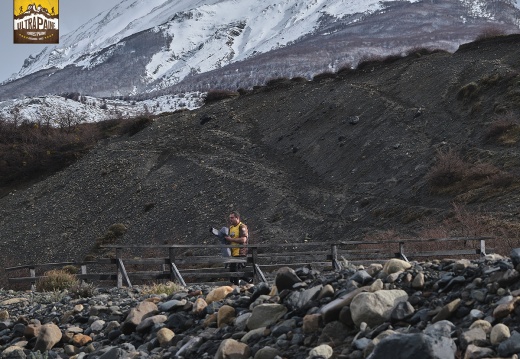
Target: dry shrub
71,269
83,290
56,280
280,82
504,130
167,288
468,92
218,95
451,173
324,75
115,231
448,169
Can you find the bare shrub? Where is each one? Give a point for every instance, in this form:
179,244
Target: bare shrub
482,170
324,75
504,130
502,180
278,82
468,92
448,169
218,95
71,269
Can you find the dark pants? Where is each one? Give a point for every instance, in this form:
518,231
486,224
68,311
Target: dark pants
238,267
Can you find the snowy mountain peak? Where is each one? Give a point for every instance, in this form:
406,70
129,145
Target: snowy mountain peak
139,47
190,25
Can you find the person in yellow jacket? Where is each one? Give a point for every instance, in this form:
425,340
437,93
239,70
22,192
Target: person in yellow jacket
238,235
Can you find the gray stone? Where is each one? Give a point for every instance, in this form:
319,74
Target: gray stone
171,305
298,300
375,308
406,346
265,315
286,278
515,256
510,346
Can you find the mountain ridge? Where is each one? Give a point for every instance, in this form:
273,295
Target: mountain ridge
195,52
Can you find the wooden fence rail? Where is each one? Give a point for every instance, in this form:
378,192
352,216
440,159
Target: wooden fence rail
201,264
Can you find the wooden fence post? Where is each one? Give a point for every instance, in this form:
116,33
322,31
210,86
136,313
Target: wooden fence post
32,272
119,273
401,252
335,263
174,271
171,259
84,272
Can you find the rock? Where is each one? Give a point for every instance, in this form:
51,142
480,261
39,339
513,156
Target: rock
171,305
267,353
334,333
199,306
149,322
253,334
218,294
299,299
13,352
406,346
326,292
418,281
97,325
4,315
361,277
515,256
375,308
475,352
265,315
483,324
499,333
230,348
80,340
395,265
510,346
136,315
225,316
447,311
402,311
32,330
322,351
48,337
165,336
311,323
330,311
286,278
475,336
503,310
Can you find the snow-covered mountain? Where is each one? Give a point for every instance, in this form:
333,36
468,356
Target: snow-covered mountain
143,46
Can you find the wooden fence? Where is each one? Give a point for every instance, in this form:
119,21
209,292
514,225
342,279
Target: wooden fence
203,263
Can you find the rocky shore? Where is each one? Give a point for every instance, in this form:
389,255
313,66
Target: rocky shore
438,309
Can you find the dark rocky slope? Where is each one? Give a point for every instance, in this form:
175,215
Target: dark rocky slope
337,158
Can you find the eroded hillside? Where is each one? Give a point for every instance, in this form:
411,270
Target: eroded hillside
342,157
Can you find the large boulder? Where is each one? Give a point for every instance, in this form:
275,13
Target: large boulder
375,308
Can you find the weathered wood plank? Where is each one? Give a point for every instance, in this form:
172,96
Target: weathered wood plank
453,252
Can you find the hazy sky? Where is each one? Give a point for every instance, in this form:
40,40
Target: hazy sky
73,13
